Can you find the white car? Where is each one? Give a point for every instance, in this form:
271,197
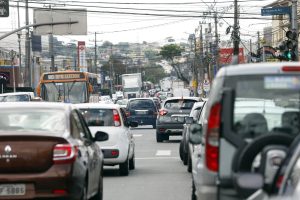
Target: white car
16,96
119,149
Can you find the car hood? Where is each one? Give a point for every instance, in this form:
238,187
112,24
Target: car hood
115,134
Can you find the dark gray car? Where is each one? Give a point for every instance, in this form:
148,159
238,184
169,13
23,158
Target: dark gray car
172,116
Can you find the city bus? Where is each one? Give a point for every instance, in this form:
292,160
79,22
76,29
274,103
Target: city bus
69,87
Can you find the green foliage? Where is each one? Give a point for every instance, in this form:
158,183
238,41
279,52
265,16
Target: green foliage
169,51
154,74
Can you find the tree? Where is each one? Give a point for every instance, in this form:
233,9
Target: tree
169,52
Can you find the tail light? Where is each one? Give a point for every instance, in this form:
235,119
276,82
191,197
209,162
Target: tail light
163,112
212,138
291,68
117,119
64,153
279,181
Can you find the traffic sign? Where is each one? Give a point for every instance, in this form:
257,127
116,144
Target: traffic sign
275,11
4,8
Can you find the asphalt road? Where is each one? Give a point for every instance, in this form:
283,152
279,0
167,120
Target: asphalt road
159,173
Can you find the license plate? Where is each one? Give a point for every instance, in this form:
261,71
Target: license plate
12,189
141,112
178,119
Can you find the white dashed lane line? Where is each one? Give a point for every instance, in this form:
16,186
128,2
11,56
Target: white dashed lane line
163,153
137,135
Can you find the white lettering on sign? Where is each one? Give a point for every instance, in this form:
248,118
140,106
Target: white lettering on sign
63,76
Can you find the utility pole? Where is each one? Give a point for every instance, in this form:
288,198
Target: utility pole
95,59
51,50
27,49
111,70
19,41
236,37
201,53
295,26
216,43
258,41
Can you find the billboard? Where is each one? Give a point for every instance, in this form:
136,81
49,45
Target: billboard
46,15
225,56
81,56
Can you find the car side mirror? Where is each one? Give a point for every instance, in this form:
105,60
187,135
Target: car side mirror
101,136
189,120
247,183
195,136
133,124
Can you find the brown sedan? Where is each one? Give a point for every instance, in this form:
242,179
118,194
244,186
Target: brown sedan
47,151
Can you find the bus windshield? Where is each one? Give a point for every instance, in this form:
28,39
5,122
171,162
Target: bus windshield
68,92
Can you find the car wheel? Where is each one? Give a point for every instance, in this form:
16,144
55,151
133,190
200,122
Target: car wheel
132,163
165,137
181,150
194,197
84,193
159,137
154,126
124,168
189,163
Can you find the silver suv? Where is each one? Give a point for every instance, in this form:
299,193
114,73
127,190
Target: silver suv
252,117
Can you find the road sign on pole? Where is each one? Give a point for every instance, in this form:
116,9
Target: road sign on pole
275,11
4,8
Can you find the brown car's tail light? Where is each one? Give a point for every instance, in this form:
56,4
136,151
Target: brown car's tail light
64,153
59,192
212,138
117,119
163,112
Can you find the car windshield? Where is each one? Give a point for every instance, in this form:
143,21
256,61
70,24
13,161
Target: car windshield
15,98
33,120
69,92
98,116
266,103
179,104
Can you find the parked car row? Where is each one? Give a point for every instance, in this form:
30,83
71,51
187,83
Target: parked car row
244,141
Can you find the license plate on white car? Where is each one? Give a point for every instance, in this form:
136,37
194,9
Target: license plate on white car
12,189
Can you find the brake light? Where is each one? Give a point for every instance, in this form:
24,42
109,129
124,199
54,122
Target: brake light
59,192
212,138
279,181
163,112
291,68
117,119
64,153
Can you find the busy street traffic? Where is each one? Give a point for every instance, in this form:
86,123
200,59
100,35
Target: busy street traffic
149,100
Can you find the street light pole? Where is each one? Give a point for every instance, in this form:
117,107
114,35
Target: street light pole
27,48
236,38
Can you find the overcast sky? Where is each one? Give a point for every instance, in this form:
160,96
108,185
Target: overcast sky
152,20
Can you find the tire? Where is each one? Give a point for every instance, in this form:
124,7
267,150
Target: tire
99,195
84,193
154,126
132,163
159,137
124,168
193,196
189,163
181,150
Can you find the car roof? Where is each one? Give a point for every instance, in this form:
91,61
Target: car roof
17,93
97,105
150,98
191,98
256,68
34,105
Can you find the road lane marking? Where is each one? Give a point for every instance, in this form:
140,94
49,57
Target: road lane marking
137,135
163,153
